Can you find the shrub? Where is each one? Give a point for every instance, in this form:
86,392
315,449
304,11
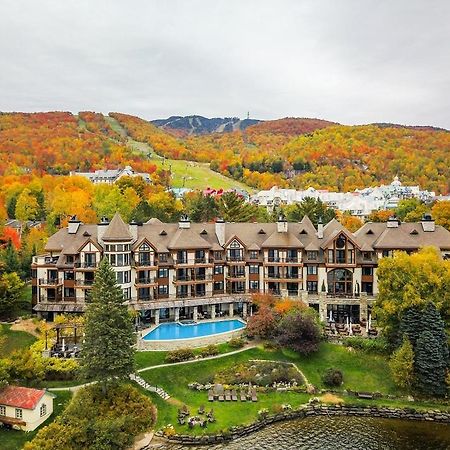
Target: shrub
378,345
96,421
182,354
262,324
332,377
300,331
236,342
402,365
210,350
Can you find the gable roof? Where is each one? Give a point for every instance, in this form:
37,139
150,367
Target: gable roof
282,240
20,397
117,230
187,238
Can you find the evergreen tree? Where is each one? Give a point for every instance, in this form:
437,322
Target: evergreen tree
107,352
200,208
430,365
233,208
11,295
314,209
11,259
142,212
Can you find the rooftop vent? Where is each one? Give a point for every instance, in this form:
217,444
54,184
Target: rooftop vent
261,231
163,233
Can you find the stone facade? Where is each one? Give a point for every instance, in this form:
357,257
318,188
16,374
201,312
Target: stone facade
175,271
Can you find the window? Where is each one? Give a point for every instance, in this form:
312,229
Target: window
387,253
163,289
367,288
254,285
254,254
218,270
218,255
43,410
292,255
2,410
127,293
69,275
311,286
162,257
367,256
253,268
182,257
69,259
19,413
218,286
123,277
311,270
34,273
311,255
163,273
144,247
367,270
69,292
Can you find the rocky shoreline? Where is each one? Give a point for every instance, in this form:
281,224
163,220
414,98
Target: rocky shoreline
310,411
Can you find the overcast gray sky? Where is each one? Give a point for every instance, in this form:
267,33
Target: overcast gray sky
352,61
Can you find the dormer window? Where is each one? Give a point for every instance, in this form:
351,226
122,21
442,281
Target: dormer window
369,232
261,231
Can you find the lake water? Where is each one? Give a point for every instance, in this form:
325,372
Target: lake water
339,433
175,330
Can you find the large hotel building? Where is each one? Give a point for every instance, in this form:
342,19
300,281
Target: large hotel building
170,271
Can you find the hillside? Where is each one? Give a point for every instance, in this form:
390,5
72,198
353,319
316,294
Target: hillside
188,125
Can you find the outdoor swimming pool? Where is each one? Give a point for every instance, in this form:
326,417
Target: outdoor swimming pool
175,330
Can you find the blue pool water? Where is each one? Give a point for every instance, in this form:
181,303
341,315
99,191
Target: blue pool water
174,330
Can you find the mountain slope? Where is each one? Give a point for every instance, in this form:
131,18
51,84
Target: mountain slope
184,126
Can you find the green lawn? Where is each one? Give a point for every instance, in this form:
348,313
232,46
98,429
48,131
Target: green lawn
14,340
155,358
362,372
15,440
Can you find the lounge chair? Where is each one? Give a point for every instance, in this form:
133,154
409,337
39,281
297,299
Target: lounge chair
254,397
181,420
221,398
227,395
233,396
201,410
210,395
243,396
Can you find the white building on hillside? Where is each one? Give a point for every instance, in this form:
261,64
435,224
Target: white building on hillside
359,203
110,176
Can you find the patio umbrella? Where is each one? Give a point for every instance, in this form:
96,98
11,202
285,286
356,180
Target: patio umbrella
331,316
63,348
370,321
347,321
350,331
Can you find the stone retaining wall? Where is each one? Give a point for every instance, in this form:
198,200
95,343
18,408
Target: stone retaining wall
313,410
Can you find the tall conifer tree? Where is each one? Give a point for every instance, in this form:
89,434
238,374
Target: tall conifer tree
107,352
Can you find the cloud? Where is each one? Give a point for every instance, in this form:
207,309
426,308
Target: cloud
353,61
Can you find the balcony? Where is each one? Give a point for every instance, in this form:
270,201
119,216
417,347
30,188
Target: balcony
86,265
84,283
51,260
50,282
278,260
145,263
145,281
192,278
236,259
236,276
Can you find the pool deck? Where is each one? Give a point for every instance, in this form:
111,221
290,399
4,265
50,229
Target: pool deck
174,344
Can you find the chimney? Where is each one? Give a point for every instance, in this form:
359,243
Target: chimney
282,225
134,230
428,224
101,228
73,225
320,228
184,222
220,231
392,222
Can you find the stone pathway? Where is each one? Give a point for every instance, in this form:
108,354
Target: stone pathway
148,387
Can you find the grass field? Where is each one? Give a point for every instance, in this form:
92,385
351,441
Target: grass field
14,340
362,372
188,174
15,440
